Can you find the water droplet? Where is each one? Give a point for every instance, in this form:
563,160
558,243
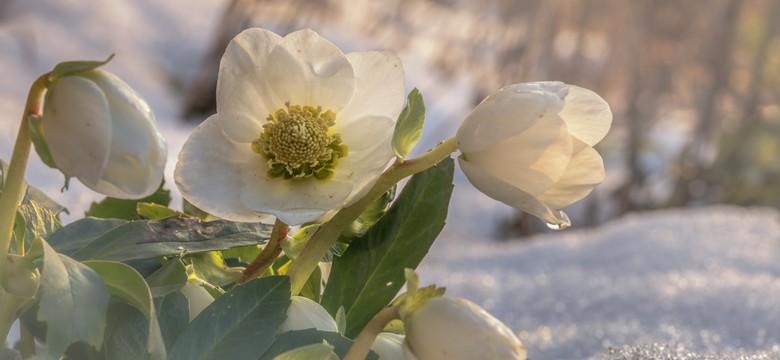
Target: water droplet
389,284
180,247
562,221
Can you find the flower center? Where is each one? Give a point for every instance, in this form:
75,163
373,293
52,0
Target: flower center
297,144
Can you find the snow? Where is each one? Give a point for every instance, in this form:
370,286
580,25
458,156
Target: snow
679,284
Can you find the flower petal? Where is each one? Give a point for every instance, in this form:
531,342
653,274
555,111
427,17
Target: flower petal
306,69
508,194
507,112
379,86
532,160
214,172
77,128
585,171
587,115
242,104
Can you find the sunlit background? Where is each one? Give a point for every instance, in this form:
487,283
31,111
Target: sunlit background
693,86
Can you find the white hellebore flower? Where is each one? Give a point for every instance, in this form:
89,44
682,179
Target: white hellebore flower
102,132
530,146
305,313
301,128
455,328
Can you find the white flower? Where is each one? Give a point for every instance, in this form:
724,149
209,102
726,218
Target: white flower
530,146
102,132
389,346
300,128
305,313
454,328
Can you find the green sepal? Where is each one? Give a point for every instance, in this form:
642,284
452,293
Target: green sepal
415,296
35,123
68,68
408,129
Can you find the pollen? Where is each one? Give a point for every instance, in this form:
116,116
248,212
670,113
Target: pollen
298,143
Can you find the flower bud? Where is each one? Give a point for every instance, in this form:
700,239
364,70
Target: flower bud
389,346
198,298
530,146
305,313
102,132
454,328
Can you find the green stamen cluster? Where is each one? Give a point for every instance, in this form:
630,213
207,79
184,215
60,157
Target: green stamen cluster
296,143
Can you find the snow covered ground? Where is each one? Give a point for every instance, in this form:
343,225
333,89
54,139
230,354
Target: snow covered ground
704,280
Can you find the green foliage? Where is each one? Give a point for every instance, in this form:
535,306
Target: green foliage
127,284
113,208
211,268
154,211
253,311
398,241
299,338
323,351
173,315
408,129
34,220
35,125
167,279
74,300
152,238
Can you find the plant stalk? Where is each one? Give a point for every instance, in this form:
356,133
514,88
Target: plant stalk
364,341
268,255
327,235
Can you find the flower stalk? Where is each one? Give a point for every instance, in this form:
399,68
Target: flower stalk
367,336
14,190
327,235
268,255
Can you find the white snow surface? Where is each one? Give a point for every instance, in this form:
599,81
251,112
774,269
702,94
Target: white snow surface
680,284
704,281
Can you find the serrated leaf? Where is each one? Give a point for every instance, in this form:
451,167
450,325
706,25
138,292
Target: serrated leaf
371,272
74,301
169,278
240,324
127,284
294,339
113,208
323,351
154,211
171,236
408,129
67,68
211,268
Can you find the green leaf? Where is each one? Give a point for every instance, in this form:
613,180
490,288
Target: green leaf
169,278
35,124
323,351
242,254
313,287
408,129
240,324
33,220
127,284
295,339
341,320
33,194
127,333
67,68
9,354
74,301
113,208
371,272
211,268
74,236
369,217
154,211
173,314
170,236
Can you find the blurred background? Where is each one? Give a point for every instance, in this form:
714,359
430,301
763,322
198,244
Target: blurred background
692,85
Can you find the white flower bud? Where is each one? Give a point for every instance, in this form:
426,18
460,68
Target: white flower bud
198,298
305,313
530,146
102,132
389,346
454,328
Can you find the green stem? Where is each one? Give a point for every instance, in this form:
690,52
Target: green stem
14,189
364,341
27,342
268,255
327,235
